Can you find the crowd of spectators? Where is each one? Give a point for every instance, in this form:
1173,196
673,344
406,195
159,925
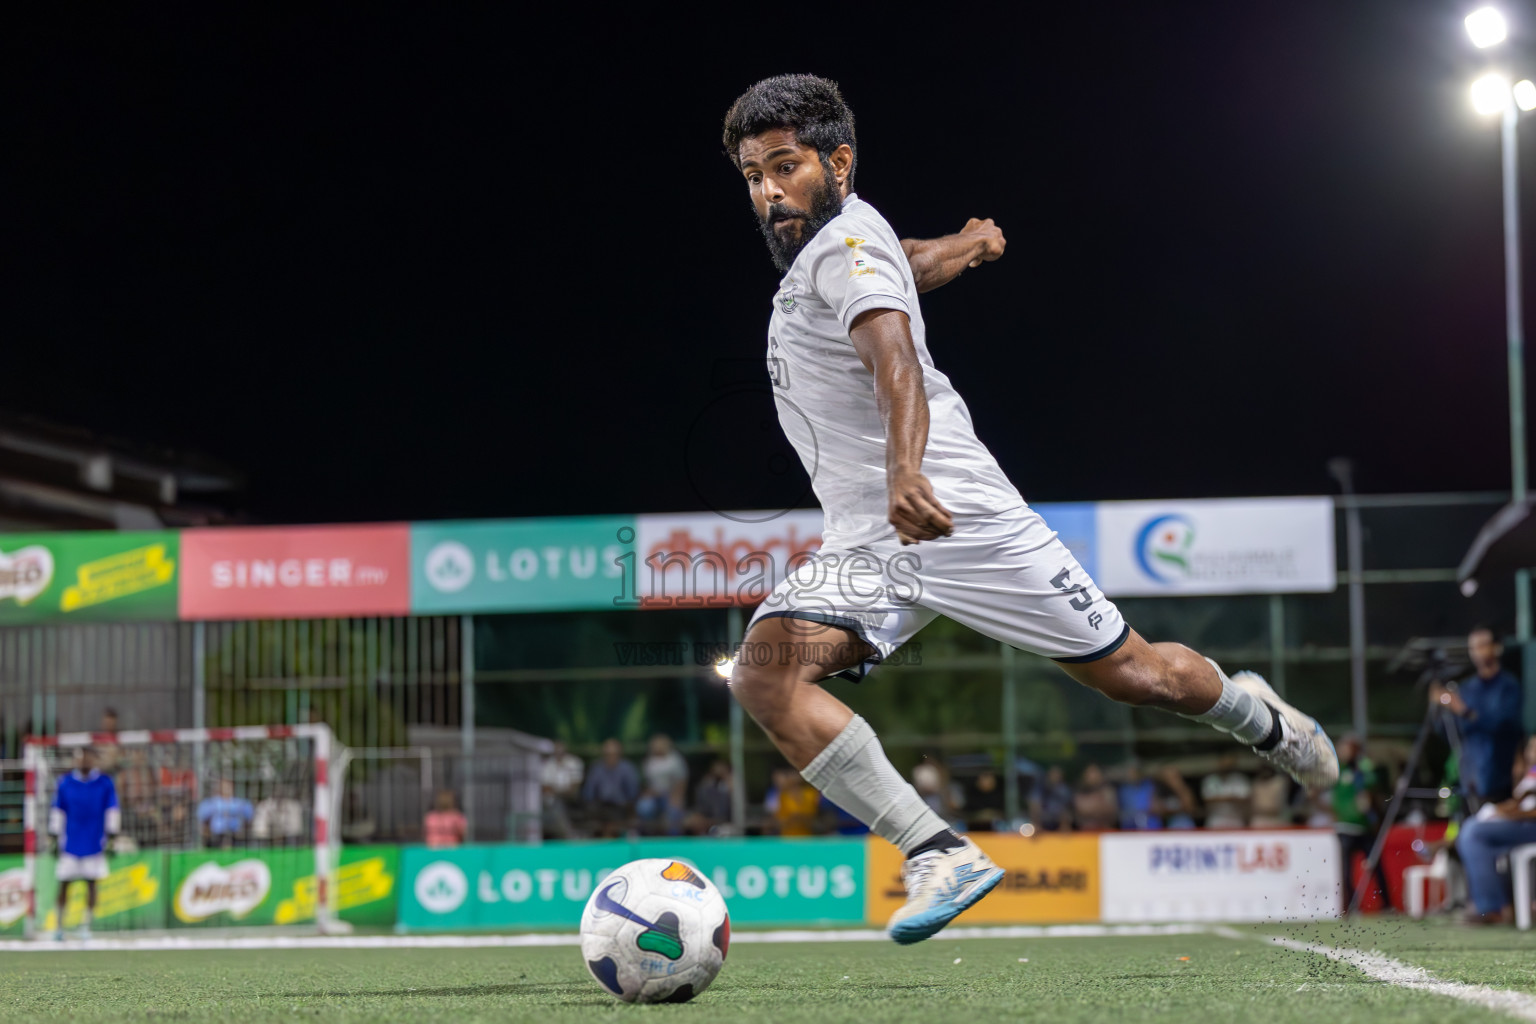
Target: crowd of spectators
1130,796
660,796
612,796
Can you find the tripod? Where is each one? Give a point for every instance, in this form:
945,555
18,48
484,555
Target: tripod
1437,669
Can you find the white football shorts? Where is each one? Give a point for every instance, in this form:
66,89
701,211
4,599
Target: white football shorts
74,869
1005,575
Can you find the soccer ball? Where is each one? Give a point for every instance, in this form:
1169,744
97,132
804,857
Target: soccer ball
655,931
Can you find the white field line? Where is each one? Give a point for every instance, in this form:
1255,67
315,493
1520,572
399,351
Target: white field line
180,943
1521,1005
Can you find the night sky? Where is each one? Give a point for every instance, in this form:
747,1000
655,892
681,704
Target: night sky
419,264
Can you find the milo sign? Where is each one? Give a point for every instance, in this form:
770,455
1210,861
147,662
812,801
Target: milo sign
212,888
13,897
88,576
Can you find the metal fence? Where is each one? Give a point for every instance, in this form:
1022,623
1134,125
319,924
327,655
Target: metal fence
391,686
371,679
388,791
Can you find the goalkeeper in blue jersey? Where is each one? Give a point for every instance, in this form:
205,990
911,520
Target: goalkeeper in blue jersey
84,813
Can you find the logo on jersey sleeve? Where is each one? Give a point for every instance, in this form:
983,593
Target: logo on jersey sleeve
858,266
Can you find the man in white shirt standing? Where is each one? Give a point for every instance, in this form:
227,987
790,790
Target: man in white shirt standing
560,786
895,462
665,798
1227,794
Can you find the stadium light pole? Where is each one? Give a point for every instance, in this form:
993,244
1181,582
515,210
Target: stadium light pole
1492,94
1343,470
733,631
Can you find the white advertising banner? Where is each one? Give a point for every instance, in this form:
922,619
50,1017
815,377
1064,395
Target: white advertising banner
1215,546
712,559
1289,875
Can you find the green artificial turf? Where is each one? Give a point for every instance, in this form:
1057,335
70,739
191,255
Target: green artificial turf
1066,980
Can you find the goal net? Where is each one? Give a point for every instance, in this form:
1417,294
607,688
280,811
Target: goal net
218,828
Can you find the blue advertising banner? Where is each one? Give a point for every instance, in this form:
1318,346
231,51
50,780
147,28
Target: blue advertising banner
1076,524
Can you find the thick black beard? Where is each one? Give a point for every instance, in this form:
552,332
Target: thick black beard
826,203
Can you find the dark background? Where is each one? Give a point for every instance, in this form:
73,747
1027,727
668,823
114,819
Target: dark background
409,263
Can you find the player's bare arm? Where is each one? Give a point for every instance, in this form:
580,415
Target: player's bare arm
883,340
937,261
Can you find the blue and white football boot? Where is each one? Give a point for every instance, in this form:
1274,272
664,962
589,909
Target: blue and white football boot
1304,752
940,886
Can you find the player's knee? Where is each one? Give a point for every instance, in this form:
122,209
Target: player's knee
765,691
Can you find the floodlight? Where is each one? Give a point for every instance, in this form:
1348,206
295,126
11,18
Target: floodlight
1525,94
1487,27
1490,94
724,667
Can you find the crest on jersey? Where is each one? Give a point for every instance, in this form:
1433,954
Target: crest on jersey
787,296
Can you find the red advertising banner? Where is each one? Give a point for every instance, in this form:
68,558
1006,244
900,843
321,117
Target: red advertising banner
710,560
285,572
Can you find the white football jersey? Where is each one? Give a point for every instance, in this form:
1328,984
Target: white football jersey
826,397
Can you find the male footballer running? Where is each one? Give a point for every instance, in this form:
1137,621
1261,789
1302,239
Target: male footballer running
920,520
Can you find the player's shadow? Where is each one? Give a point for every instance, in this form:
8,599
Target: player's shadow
527,988
828,995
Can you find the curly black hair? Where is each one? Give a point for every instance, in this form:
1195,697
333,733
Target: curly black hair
812,107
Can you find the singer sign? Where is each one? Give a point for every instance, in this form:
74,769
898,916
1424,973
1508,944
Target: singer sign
293,572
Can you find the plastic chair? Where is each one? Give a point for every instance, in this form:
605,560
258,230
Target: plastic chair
1521,860
1415,877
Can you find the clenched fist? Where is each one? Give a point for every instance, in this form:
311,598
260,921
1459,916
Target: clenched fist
915,511
989,240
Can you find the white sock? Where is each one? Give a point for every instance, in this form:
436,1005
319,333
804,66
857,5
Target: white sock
1237,712
855,774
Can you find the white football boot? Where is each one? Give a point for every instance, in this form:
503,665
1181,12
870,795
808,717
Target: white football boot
1304,752
940,885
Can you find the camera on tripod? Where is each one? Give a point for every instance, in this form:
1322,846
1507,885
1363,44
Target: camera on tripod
1439,662
1436,659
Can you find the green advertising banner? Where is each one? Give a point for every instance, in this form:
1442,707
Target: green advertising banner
764,881
363,888
88,576
156,889
13,893
255,887
132,896
510,565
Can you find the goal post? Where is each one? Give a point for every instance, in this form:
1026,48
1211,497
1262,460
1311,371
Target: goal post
215,824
